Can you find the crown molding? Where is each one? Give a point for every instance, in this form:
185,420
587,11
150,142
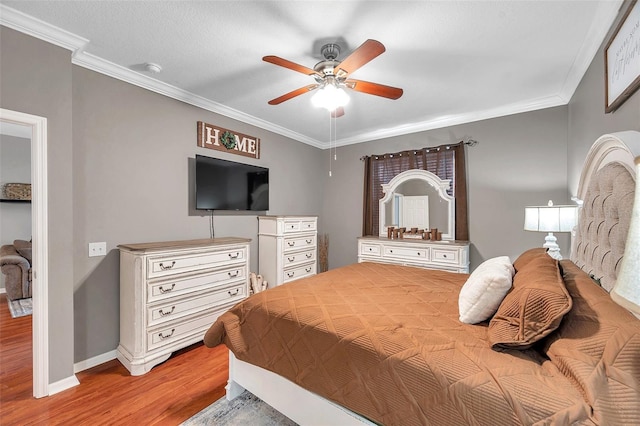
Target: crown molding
607,13
102,66
34,27
37,28
454,120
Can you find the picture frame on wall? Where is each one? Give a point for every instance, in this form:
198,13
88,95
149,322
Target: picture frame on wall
622,59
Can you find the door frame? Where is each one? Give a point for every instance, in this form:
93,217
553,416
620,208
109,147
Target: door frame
39,228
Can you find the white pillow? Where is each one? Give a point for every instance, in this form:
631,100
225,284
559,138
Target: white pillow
483,292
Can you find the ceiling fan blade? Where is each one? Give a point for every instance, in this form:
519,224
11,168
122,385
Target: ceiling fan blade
363,54
293,94
276,60
338,112
374,88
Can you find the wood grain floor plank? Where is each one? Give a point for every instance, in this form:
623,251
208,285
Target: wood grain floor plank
170,393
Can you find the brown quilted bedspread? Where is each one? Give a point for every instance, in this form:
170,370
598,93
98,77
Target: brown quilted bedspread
385,341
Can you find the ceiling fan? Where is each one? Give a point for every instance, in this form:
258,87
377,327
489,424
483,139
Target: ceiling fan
332,75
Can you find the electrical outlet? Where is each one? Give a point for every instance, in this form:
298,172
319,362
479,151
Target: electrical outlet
97,249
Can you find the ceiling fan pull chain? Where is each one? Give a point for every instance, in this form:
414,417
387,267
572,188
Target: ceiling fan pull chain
330,134
335,139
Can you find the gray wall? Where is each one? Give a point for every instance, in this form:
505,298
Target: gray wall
15,167
587,119
119,172
131,183
520,160
36,78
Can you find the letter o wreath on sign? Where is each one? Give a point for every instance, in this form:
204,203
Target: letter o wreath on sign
228,140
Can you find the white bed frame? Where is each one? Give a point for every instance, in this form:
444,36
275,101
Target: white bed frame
295,402
307,408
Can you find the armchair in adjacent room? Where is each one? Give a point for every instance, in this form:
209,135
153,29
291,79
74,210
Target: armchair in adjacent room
15,263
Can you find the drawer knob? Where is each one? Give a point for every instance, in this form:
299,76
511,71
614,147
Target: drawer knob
231,293
164,268
167,290
233,274
390,251
290,274
234,256
164,314
308,241
418,253
308,269
162,336
291,259
291,243
309,255
444,255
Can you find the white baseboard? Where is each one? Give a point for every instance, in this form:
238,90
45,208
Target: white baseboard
3,290
72,381
92,362
63,384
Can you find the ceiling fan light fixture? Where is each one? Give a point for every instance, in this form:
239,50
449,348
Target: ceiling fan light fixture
330,97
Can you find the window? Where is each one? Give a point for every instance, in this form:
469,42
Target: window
446,162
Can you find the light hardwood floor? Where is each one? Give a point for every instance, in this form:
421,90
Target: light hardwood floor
172,392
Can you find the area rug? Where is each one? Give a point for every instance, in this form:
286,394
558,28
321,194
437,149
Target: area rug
247,409
20,307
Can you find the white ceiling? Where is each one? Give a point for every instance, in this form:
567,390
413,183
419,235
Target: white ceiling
457,61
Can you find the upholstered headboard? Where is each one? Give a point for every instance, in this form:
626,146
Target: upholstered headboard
606,189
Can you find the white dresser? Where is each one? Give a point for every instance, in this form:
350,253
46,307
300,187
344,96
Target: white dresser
445,255
171,293
288,248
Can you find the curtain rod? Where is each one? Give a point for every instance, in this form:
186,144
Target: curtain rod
468,142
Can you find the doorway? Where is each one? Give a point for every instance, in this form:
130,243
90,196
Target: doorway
36,127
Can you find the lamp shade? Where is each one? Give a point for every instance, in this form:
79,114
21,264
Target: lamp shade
626,291
550,218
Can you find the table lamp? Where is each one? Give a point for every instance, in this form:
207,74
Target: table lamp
550,219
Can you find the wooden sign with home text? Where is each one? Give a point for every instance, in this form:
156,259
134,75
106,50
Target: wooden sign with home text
214,137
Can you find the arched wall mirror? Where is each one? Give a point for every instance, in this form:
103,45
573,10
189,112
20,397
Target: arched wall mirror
418,199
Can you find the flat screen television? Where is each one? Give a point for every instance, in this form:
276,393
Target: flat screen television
227,185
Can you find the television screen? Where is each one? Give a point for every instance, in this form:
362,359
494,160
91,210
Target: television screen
227,185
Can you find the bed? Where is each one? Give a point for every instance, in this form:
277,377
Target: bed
383,344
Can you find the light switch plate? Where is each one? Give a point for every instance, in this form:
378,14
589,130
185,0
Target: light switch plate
97,249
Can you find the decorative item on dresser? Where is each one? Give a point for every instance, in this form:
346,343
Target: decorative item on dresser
448,255
171,292
287,247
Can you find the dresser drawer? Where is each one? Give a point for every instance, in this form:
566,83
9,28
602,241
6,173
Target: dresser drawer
170,334
296,272
299,257
370,249
299,243
160,290
299,225
169,265
407,252
292,226
308,225
177,309
443,255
